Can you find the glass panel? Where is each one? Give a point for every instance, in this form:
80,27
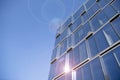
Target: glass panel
84,17
97,70
117,54
92,47
86,72
116,25
65,25
69,41
102,3
52,72
101,41
109,11
68,76
63,46
79,12
98,20
54,54
86,28
63,35
90,12
78,35
95,7
60,65
83,51
112,68
79,74
57,40
76,24
76,57
89,3
110,34
71,59
116,5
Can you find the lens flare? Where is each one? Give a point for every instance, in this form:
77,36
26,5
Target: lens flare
67,68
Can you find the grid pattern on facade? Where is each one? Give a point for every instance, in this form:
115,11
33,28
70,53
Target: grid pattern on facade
89,43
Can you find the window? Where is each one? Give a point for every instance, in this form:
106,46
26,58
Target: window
86,72
54,54
116,5
111,67
110,34
100,39
79,74
63,35
78,35
86,28
76,56
69,41
96,70
109,11
60,65
116,52
79,12
66,24
83,51
102,3
76,24
63,46
90,3
53,71
116,25
57,40
61,78
84,17
98,20
93,10
92,47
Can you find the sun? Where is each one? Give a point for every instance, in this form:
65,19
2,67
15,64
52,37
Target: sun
67,68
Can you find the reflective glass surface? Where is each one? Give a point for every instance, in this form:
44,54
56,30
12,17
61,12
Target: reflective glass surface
116,25
112,67
96,70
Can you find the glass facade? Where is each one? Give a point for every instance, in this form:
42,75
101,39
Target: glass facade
87,45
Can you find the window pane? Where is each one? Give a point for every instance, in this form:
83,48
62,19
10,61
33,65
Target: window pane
92,47
117,53
110,34
86,72
76,56
116,25
101,41
63,46
63,35
78,35
102,3
83,52
65,25
69,41
89,3
79,12
86,28
60,65
97,70
84,17
98,20
76,24
109,11
90,12
95,7
111,66
116,5
68,76
79,74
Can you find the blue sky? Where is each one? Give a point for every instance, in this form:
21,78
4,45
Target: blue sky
27,35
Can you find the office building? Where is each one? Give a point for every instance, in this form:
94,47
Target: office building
87,45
